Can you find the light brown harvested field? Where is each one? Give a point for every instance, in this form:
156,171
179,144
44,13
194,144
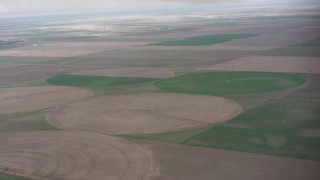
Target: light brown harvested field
271,64
144,113
179,162
129,72
45,53
22,99
22,73
144,57
94,44
71,156
66,49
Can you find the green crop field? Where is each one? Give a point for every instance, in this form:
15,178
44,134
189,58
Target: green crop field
287,128
205,40
230,83
25,122
98,84
29,124
279,127
9,177
306,49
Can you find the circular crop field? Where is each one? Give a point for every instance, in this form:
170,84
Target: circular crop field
22,99
144,113
72,155
230,83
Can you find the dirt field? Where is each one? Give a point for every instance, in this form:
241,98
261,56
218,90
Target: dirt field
24,99
22,73
178,162
148,57
66,155
144,113
129,72
66,49
72,155
271,64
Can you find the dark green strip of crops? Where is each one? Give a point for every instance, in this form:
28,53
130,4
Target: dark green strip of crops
100,85
205,40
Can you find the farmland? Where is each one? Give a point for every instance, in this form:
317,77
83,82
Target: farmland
229,83
204,40
195,94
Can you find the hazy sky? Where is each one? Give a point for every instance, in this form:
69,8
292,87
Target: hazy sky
67,6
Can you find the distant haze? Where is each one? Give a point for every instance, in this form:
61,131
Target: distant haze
69,6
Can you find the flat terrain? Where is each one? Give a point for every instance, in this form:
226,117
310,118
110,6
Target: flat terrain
144,113
22,99
188,163
271,64
229,83
103,85
304,49
64,49
129,72
16,73
281,127
70,155
156,58
205,40
212,93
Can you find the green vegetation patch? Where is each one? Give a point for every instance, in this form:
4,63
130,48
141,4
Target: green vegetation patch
230,83
25,60
7,47
28,124
204,40
280,127
25,122
10,177
99,84
306,49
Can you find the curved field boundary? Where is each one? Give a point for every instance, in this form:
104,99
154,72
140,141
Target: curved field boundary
72,155
144,113
224,83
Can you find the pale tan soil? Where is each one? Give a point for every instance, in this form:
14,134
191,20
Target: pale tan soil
22,73
95,44
66,49
22,99
73,156
179,162
145,57
144,113
129,72
46,53
271,64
